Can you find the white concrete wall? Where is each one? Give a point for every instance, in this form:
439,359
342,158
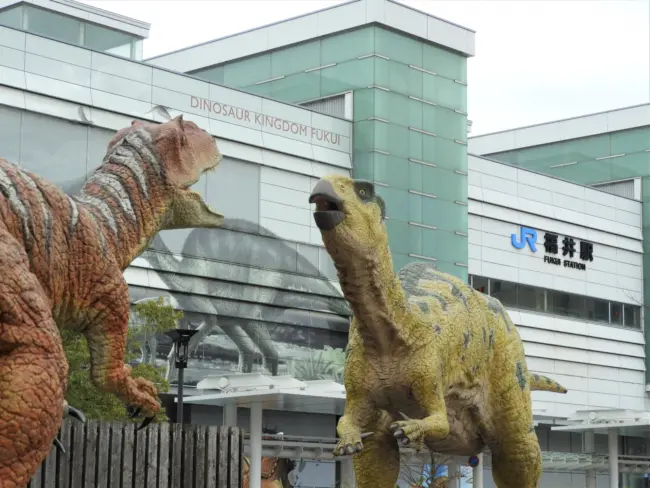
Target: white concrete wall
601,365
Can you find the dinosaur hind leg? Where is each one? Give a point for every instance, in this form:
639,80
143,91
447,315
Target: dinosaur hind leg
520,467
378,465
33,368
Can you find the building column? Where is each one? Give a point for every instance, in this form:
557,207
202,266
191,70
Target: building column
453,472
230,415
347,473
477,473
589,447
256,446
612,444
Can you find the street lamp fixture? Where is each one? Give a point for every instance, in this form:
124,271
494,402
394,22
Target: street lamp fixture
181,338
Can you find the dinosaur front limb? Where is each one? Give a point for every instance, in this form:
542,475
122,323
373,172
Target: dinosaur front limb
359,414
106,338
33,368
435,426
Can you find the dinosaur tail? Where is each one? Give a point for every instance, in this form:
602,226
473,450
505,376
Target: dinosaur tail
540,382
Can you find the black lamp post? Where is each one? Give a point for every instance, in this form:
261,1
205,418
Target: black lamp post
181,338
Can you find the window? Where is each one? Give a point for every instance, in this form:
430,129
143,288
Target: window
108,40
616,311
12,17
481,284
53,25
555,302
632,316
505,292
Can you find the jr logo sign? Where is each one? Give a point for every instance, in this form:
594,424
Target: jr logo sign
526,235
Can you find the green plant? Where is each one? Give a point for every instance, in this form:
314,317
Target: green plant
151,318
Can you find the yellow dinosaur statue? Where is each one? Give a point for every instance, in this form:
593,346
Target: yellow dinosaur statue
431,362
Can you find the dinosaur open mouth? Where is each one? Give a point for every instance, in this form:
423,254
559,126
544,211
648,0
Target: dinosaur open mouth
329,206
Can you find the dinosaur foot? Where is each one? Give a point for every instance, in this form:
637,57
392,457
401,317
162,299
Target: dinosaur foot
134,412
350,444
69,411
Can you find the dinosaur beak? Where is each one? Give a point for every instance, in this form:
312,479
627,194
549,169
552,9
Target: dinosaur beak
329,206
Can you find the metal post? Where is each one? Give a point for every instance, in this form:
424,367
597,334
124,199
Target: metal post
589,447
347,473
179,407
230,415
612,442
256,446
477,473
453,473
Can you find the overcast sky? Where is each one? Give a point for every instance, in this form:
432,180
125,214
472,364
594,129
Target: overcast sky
536,60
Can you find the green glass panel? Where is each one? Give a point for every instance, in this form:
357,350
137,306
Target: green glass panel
398,47
450,124
444,214
397,202
444,183
392,138
300,87
415,239
630,165
263,90
452,269
398,77
429,117
12,17
358,73
415,144
363,167
398,109
295,59
584,149
646,224
364,134
445,153
645,191
585,173
416,176
444,63
415,207
506,157
247,71
364,103
214,75
397,231
347,46
391,171
446,246
401,260
444,91
627,141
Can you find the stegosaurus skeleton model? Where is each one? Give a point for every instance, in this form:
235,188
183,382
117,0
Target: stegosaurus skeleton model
430,362
63,260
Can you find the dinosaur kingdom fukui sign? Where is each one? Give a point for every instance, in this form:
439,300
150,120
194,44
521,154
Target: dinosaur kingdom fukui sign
250,117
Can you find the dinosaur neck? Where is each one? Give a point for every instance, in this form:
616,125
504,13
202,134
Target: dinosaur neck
126,197
376,298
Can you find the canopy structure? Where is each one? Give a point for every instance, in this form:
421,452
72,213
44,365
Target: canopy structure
611,423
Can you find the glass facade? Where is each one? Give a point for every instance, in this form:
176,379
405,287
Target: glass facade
71,30
596,159
410,127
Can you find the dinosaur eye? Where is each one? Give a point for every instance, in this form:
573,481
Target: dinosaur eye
362,193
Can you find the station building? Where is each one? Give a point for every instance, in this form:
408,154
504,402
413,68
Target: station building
375,90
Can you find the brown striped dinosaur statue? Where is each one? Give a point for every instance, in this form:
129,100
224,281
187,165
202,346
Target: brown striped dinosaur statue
63,260
430,361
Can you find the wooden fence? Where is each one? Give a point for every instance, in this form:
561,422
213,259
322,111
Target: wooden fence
115,455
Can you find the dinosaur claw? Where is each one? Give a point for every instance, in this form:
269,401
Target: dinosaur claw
145,422
365,435
58,445
349,450
398,433
403,415
76,413
134,412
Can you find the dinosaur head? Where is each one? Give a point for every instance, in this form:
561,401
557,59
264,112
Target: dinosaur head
186,152
349,215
